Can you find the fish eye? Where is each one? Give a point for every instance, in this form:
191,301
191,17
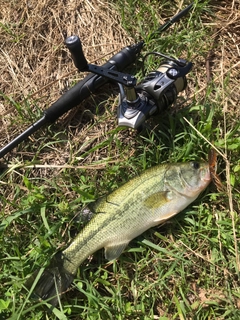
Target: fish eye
195,165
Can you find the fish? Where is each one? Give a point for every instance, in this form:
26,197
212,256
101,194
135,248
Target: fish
145,201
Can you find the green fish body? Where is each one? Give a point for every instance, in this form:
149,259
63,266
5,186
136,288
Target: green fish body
144,202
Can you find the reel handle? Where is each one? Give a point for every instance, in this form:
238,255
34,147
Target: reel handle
74,45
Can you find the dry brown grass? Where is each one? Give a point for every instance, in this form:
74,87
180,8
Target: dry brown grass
36,66
34,63
225,58
34,55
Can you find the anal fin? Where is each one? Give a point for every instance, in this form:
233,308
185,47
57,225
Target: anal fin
113,251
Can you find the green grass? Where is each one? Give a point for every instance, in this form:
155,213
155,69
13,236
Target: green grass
185,269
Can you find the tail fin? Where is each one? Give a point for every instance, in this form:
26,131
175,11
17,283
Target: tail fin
53,282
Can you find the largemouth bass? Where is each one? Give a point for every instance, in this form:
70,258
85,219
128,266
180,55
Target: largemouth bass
144,202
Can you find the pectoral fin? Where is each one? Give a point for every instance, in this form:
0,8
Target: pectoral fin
113,251
156,200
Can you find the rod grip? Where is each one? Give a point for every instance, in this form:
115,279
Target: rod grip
74,96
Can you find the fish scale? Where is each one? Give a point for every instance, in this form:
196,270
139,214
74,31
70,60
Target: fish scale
145,201
115,211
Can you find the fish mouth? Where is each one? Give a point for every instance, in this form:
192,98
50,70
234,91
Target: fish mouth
205,174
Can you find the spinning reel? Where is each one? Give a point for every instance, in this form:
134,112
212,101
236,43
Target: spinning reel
155,93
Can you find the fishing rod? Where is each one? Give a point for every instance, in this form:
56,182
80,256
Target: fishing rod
155,93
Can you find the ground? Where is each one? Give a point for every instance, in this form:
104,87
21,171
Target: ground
188,268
